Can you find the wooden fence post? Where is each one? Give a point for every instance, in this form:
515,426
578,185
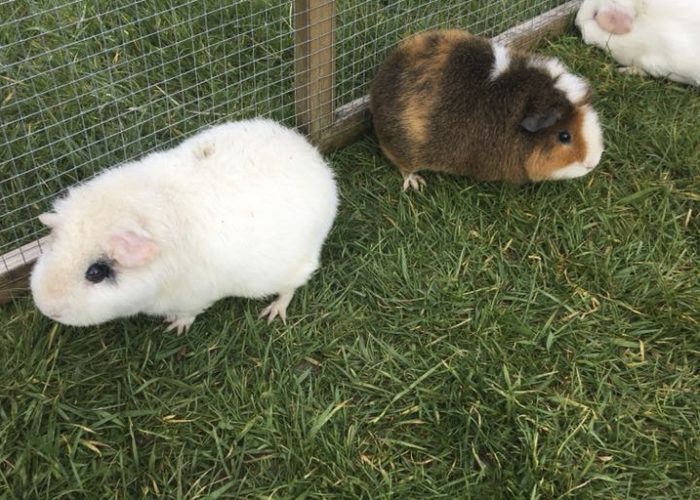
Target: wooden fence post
314,65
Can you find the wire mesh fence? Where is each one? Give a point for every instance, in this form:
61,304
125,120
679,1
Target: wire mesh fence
86,85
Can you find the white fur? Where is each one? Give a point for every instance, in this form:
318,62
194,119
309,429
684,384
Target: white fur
241,209
570,172
574,87
501,62
593,134
664,40
554,67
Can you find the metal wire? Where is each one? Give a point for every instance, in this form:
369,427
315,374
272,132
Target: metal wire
87,85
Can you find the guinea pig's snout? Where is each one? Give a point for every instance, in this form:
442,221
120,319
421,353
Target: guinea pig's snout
49,299
48,308
57,311
53,314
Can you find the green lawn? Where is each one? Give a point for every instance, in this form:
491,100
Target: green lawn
470,341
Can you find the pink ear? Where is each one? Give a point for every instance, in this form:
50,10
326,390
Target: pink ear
614,21
130,249
49,219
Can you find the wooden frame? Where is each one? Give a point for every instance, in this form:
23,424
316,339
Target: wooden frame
329,128
314,66
15,267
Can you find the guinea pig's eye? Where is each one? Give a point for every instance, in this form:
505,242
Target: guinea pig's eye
98,272
564,137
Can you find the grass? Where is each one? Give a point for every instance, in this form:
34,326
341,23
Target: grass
470,341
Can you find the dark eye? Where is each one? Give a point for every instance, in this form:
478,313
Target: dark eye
98,272
564,137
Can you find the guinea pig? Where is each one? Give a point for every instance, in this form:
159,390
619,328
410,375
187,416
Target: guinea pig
656,37
452,102
241,209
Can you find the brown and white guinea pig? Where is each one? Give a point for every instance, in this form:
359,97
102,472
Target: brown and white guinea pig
452,102
241,209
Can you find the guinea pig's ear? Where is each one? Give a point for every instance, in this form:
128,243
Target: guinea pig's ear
535,122
49,219
614,20
131,249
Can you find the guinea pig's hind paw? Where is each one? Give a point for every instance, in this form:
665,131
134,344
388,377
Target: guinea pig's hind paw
631,70
181,325
414,181
277,308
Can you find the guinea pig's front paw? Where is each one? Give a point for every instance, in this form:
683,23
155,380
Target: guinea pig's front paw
278,308
414,181
631,70
180,324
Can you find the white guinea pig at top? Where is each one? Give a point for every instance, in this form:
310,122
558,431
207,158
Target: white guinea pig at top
241,209
657,37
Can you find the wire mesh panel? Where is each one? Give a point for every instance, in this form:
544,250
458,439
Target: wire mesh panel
366,30
86,85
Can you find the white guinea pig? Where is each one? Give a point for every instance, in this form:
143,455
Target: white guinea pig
658,37
241,209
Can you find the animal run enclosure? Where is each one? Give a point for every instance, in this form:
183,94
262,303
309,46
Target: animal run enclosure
87,85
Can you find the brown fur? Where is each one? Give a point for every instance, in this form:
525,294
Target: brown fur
435,108
428,55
